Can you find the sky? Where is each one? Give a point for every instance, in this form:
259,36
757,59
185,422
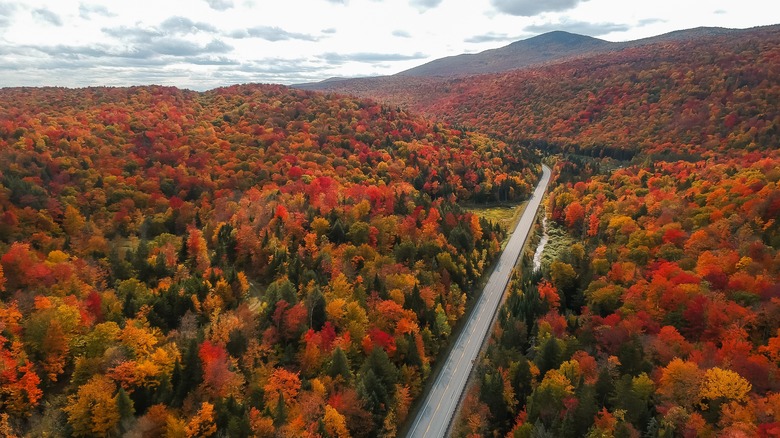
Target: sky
203,44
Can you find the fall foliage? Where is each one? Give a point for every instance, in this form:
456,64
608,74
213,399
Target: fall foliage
261,261
177,263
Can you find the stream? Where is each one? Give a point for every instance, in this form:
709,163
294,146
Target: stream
540,248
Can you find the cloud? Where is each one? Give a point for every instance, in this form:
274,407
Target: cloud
280,66
47,16
402,34
209,60
337,2
179,47
529,8
271,33
579,27
88,53
220,5
368,57
184,26
166,39
329,31
425,4
491,37
87,11
135,34
649,21
165,52
6,12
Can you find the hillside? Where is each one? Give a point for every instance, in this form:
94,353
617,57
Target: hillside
552,46
253,259
684,95
549,48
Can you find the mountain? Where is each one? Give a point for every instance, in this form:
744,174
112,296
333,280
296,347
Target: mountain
715,91
552,46
545,49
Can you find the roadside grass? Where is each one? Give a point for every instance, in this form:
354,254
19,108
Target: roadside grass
506,215
559,243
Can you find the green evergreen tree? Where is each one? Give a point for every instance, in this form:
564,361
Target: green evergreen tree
605,387
549,356
126,411
280,413
339,364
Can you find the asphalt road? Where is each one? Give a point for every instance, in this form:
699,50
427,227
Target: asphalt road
434,416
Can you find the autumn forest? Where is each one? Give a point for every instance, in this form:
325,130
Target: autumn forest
258,260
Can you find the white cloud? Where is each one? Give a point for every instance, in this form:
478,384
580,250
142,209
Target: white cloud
579,27
529,8
220,5
87,11
47,16
425,4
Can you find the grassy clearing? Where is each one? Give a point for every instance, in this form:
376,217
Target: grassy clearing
505,215
560,241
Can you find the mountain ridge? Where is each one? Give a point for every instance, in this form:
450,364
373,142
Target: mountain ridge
550,47
539,49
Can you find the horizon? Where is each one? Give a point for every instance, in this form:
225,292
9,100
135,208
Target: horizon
217,43
339,78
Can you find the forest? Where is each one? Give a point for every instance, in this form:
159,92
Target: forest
252,260
261,261
683,99
663,318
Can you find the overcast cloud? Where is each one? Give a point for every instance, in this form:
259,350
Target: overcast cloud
202,44
580,27
529,8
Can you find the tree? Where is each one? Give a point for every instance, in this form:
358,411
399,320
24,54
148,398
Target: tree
575,214
335,423
282,382
280,411
339,364
376,382
681,383
563,276
549,357
125,408
547,400
721,387
93,409
202,424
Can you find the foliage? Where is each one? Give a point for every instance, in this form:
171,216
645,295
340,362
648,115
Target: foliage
234,260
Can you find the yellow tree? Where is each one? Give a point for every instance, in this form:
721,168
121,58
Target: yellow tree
202,424
335,423
93,411
723,385
681,383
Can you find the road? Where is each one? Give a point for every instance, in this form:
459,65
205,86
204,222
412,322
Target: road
434,416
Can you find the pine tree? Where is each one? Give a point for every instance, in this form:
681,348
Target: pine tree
280,412
126,411
339,364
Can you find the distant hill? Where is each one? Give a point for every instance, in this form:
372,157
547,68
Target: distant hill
548,48
540,49
679,87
